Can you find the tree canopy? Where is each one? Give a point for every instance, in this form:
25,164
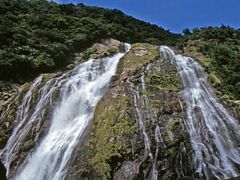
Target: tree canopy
40,36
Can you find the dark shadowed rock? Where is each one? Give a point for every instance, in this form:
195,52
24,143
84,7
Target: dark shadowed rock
187,178
2,172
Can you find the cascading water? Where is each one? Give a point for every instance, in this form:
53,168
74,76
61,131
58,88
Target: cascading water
213,131
80,91
145,114
22,119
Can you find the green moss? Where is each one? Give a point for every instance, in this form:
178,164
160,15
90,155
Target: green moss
46,77
165,82
109,141
205,61
213,79
11,116
112,51
114,124
133,61
109,52
112,127
25,87
226,98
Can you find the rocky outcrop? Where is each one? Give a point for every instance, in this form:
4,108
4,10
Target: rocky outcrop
106,48
108,143
115,146
128,170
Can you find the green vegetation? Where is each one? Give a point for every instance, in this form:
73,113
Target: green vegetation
140,54
114,121
112,134
167,81
106,48
39,36
218,50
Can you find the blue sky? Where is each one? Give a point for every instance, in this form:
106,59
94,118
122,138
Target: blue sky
176,15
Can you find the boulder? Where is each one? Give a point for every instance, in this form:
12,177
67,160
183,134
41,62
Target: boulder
129,170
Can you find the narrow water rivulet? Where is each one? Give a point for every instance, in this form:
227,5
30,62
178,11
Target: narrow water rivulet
146,115
214,133
79,92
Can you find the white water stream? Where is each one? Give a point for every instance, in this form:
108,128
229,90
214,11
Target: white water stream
214,133
80,91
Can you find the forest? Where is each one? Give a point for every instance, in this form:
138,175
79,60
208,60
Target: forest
38,36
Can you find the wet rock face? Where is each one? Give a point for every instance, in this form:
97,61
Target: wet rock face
108,143
106,48
7,90
161,142
129,170
8,104
138,130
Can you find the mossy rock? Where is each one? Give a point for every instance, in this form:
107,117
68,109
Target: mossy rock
132,61
104,49
113,126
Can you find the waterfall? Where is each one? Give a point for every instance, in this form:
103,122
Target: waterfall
79,92
213,131
22,119
144,114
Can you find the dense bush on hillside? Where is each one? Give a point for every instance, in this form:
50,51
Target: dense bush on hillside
40,36
221,47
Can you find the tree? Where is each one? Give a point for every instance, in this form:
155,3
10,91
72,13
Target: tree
187,31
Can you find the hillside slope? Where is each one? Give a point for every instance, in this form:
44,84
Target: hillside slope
39,36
